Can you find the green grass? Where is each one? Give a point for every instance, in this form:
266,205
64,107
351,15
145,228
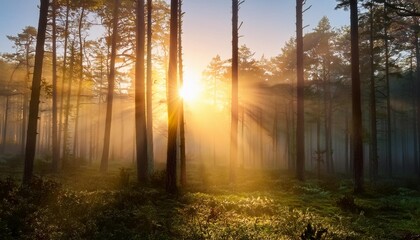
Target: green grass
85,204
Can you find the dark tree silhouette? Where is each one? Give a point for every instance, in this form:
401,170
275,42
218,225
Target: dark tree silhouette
63,78
55,143
388,95
149,90
372,98
111,84
173,102
356,99
181,111
300,127
35,94
141,137
234,97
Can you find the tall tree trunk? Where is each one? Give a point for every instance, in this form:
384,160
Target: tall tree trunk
414,112
55,145
111,84
149,90
388,96
141,135
67,112
234,97
64,72
181,110
35,94
417,45
300,127
79,89
356,99
173,102
372,103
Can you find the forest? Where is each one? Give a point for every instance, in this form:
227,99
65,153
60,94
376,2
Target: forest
104,136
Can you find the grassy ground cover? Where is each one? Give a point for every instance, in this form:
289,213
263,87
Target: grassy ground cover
84,204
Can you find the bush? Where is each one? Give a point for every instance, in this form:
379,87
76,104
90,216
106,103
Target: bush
347,203
158,179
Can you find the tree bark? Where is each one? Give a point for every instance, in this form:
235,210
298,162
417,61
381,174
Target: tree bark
417,46
388,97
356,99
149,89
79,89
234,97
64,72
173,102
372,97
110,95
300,127
55,144
141,135
181,112
35,94
67,111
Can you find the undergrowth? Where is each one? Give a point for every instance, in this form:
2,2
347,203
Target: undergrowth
89,205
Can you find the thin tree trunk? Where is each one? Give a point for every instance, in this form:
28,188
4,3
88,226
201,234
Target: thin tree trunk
149,90
234,97
60,127
35,94
141,135
300,127
55,144
110,96
388,96
181,111
372,97
356,99
417,43
79,90
414,116
67,112
173,102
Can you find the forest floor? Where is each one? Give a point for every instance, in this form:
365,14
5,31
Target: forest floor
85,204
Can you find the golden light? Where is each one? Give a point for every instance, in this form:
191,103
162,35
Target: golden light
191,90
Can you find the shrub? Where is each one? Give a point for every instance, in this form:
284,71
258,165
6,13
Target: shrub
157,179
347,203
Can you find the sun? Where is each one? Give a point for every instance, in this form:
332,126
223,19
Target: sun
191,90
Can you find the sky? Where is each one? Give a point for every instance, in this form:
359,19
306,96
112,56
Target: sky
267,24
